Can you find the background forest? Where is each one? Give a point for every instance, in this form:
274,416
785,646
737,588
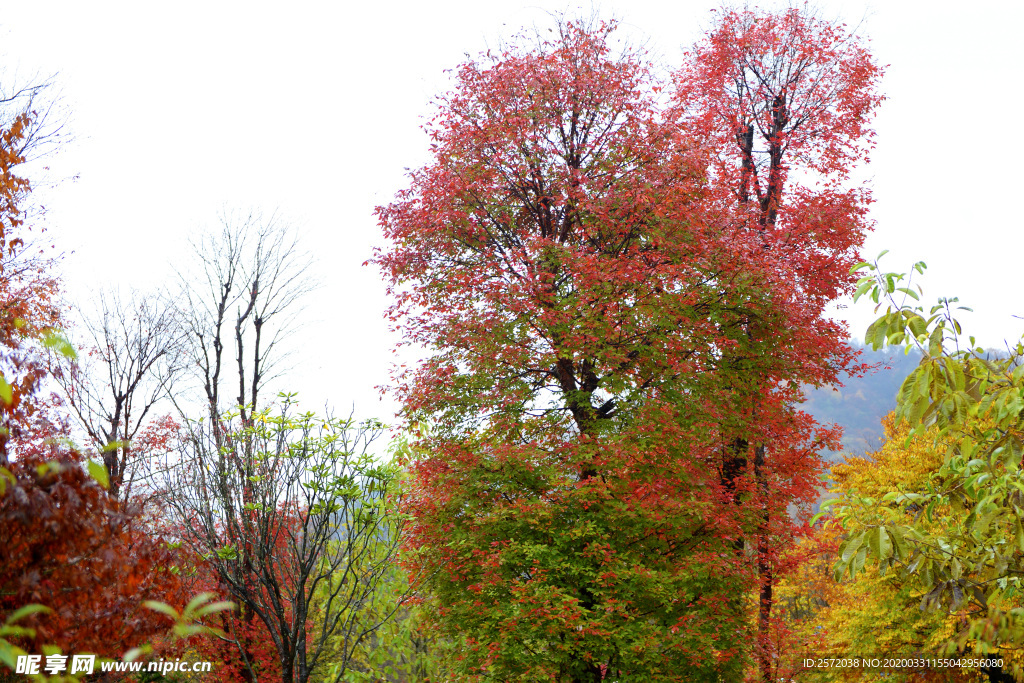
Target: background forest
633,439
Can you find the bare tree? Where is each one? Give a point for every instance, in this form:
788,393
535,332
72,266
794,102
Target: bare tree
240,299
300,523
243,297
128,361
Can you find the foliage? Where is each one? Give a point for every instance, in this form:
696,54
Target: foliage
295,519
64,537
403,647
606,322
784,101
972,405
28,310
873,613
240,646
532,249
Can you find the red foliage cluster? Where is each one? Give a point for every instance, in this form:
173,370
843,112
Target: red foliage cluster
27,294
70,547
239,625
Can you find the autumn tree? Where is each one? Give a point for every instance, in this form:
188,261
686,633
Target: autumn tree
871,612
31,125
784,100
72,548
129,357
28,309
237,301
968,402
585,287
301,535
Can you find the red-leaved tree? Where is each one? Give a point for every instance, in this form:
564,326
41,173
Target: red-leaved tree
784,102
69,546
586,281
28,292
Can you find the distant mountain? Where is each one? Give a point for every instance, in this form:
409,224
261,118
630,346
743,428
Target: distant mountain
861,403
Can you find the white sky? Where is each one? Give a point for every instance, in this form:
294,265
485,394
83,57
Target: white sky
313,109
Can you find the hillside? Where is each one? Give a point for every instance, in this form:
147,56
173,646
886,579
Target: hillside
859,405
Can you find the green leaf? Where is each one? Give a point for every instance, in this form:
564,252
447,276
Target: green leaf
875,335
98,471
899,543
909,292
852,546
872,539
214,607
883,549
6,393
917,325
935,342
863,288
858,561
163,608
860,266
25,611
56,341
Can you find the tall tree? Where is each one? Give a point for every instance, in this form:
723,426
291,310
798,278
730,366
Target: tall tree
130,357
28,309
583,287
301,536
784,100
239,306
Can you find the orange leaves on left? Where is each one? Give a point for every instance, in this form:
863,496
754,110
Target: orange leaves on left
64,542
28,308
69,546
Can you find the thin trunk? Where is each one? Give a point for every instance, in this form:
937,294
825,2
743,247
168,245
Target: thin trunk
769,202
765,575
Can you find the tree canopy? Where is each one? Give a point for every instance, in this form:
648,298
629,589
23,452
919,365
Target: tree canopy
608,316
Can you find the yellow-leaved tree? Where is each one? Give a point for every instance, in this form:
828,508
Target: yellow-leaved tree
874,611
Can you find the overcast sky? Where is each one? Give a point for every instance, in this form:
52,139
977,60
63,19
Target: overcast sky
312,109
